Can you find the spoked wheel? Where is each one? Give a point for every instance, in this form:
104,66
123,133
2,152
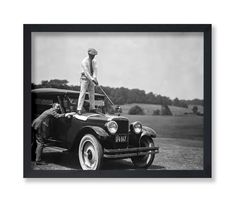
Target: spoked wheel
146,160
90,153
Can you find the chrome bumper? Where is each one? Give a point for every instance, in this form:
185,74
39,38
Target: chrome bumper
129,152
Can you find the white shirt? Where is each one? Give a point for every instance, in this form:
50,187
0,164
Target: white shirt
86,69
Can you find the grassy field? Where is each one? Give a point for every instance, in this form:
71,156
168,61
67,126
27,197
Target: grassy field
185,127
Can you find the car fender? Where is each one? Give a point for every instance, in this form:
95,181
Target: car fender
148,132
98,132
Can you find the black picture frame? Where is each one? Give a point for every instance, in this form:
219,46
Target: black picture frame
205,28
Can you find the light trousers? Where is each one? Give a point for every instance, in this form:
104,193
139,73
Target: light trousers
86,85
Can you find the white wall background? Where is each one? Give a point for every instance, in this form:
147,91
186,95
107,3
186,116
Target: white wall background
14,13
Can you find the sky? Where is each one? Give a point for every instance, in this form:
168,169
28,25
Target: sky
170,64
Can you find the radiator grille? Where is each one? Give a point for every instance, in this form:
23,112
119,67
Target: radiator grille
123,126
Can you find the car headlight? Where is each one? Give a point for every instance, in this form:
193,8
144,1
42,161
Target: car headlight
112,127
136,127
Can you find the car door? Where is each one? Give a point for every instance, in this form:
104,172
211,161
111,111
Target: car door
59,126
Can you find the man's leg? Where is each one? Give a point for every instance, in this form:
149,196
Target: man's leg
84,85
40,145
91,89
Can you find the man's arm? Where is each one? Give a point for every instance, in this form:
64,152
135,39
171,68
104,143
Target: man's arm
95,67
57,115
86,71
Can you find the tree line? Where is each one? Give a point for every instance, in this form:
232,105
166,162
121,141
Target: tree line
123,95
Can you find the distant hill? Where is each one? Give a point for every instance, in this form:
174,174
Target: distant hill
149,108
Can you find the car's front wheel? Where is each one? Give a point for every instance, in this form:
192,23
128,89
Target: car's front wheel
146,160
90,153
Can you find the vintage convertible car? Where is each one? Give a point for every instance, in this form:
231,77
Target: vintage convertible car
94,136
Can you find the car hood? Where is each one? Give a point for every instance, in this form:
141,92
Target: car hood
104,117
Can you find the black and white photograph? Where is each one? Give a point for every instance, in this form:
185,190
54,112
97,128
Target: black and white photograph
117,99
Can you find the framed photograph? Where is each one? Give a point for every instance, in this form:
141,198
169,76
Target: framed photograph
117,101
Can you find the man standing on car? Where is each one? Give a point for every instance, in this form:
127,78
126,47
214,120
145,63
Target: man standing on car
88,80
40,125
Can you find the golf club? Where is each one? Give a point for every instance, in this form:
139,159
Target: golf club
117,108
106,95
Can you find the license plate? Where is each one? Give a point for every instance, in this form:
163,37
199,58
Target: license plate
119,138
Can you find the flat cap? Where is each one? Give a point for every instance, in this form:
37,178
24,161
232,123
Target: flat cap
92,51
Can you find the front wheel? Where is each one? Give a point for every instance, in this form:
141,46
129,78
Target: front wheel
146,160
90,153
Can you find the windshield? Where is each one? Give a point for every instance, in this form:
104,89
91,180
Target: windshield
70,104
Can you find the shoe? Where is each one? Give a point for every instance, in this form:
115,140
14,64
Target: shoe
79,112
40,163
